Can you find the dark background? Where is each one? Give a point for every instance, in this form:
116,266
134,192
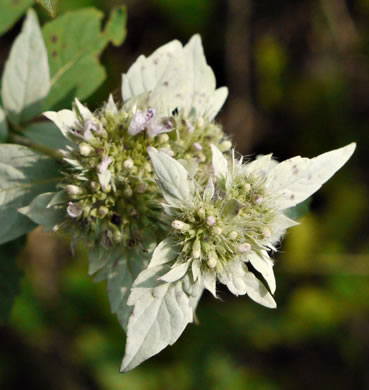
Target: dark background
298,78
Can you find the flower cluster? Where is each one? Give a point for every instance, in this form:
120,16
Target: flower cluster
154,187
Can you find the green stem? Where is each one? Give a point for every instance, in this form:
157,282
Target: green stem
53,153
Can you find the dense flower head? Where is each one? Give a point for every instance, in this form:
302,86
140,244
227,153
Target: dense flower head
154,187
109,180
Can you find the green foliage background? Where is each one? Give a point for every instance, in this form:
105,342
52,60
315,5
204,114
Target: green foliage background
298,74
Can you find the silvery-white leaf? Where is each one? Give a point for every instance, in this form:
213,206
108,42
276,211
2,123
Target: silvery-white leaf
294,180
24,174
161,313
39,213
191,166
209,278
3,126
82,110
202,98
260,166
279,226
122,271
220,164
165,252
111,106
240,282
173,178
196,269
263,264
257,291
65,120
162,75
26,79
60,197
176,273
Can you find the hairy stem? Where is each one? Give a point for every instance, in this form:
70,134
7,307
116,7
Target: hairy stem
53,153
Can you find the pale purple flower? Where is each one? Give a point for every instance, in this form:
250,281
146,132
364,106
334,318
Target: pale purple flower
103,172
74,210
147,120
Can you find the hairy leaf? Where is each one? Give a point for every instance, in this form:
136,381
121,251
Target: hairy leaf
40,214
160,315
24,174
26,79
74,43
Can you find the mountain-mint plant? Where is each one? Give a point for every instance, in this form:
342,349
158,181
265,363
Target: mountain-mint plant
153,187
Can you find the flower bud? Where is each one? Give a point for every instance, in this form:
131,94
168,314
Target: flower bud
247,188
201,212
233,235
141,188
147,167
212,262
73,190
85,149
225,146
94,186
196,249
258,200
218,230
244,248
197,147
117,236
102,211
163,138
127,193
212,259
168,151
179,225
266,232
128,164
211,220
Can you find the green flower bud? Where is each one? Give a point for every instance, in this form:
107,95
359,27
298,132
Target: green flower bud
128,164
244,248
163,138
73,190
103,211
225,146
211,220
233,235
179,225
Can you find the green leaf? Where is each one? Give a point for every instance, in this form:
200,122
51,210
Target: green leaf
39,212
51,6
160,315
11,11
46,133
74,43
26,79
3,126
10,277
24,174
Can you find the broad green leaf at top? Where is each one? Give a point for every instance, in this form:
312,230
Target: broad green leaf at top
11,11
51,6
26,79
24,174
74,43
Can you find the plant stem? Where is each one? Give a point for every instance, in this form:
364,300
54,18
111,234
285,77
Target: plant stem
53,153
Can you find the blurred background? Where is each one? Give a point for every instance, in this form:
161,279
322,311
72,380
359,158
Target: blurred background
298,77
